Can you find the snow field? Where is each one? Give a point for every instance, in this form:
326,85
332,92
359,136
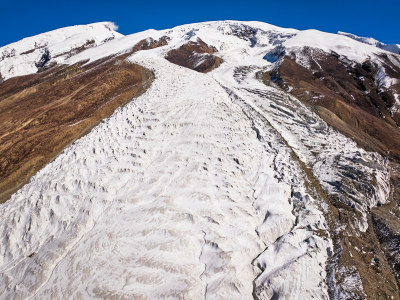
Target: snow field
20,58
162,206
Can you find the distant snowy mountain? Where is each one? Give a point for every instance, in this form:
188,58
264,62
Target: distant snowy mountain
395,48
34,53
246,161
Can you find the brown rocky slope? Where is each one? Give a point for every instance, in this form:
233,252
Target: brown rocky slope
197,56
44,112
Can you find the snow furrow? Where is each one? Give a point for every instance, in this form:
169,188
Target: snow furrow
293,248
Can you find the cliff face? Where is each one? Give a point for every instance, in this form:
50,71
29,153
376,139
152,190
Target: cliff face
246,161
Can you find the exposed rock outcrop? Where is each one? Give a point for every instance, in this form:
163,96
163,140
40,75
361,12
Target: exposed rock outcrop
150,43
197,56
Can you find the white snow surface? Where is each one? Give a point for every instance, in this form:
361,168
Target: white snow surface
395,48
20,58
191,190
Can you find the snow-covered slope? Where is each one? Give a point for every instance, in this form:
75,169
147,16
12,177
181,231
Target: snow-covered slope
30,54
208,185
395,48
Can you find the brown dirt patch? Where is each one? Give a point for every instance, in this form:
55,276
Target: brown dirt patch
150,43
197,56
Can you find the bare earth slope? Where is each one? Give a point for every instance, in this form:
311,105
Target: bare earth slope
42,113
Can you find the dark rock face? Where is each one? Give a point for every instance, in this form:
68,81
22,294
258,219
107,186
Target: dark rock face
197,56
275,54
44,59
385,219
7,54
390,241
246,33
44,112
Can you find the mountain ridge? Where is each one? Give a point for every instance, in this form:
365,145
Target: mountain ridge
395,48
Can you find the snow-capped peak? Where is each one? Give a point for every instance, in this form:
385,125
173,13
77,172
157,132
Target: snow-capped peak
55,47
26,56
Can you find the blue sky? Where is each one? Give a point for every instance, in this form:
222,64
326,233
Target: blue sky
378,19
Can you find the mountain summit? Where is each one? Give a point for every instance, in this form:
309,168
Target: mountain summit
224,160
